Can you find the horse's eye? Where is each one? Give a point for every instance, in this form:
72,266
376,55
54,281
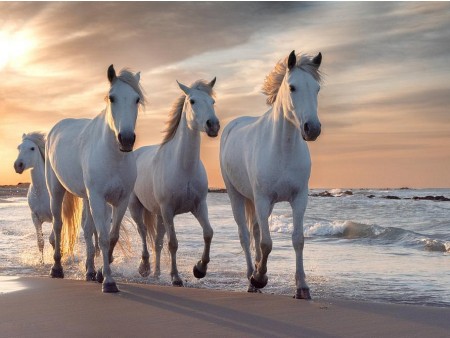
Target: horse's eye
111,99
32,148
191,101
137,100
292,88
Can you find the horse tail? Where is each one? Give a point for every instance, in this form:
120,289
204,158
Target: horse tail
150,223
71,217
250,216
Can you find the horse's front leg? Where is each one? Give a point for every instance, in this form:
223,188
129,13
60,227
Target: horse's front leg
167,215
263,208
298,242
39,235
238,207
158,245
101,214
202,216
56,192
118,212
88,231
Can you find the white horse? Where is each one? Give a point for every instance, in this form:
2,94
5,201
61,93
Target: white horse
93,160
265,160
32,156
172,180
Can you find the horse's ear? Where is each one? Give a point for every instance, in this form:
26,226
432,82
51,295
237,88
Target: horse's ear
137,76
213,82
292,60
111,74
184,88
317,60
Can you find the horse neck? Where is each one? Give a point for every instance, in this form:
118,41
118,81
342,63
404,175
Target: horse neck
283,132
38,174
108,137
186,145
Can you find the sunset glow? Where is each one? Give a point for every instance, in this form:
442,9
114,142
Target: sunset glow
383,104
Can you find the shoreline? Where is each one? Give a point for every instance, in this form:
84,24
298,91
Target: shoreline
48,307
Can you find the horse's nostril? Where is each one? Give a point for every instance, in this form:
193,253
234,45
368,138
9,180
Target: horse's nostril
208,123
306,127
120,138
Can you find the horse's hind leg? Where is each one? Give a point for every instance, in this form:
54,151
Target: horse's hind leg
56,193
39,235
88,230
202,216
137,213
298,241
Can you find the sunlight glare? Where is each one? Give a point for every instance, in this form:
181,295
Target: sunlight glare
14,48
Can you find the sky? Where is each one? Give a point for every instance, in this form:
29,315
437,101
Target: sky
384,103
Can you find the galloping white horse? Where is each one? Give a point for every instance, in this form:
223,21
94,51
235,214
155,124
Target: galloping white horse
92,159
32,156
172,179
265,160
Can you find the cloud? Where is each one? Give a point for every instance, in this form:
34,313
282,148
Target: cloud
386,68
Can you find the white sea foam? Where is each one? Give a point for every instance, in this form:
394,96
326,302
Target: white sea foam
358,231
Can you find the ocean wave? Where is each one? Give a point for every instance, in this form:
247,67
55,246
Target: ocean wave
360,231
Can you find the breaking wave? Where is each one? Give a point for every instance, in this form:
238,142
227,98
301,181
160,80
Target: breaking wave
373,234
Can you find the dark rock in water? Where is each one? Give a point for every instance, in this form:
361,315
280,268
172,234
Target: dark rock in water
326,193
371,196
432,198
390,197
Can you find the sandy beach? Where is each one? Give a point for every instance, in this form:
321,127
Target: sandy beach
45,307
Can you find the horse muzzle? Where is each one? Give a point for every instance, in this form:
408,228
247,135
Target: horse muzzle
19,166
212,127
310,131
126,141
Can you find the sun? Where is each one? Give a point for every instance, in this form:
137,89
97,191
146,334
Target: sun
14,48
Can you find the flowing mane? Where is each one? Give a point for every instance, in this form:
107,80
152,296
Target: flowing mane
130,79
177,110
37,138
273,81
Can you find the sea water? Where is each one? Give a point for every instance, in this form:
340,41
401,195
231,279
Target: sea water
360,244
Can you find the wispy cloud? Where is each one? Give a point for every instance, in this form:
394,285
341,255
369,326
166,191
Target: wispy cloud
386,68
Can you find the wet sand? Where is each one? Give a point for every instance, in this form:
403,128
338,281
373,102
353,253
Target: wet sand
45,307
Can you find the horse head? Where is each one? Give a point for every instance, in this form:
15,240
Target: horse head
301,87
124,98
199,107
29,153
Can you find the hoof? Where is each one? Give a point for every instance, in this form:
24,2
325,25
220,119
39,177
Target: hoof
57,273
252,289
109,288
144,269
302,293
178,283
259,284
91,276
99,276
198,273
